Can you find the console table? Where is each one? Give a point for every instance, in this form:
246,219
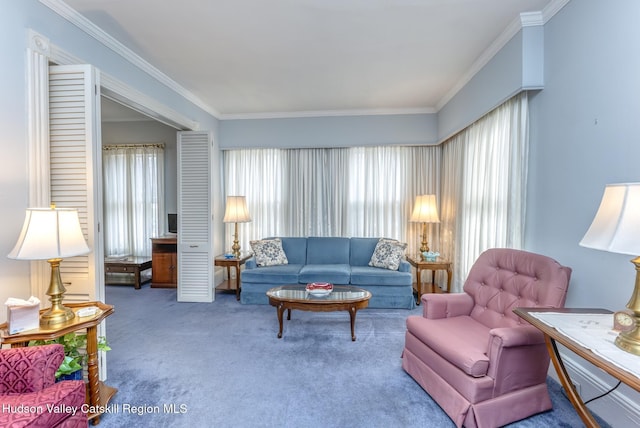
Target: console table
598,350
98,394
420,265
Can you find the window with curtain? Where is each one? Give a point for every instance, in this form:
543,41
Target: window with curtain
484,180
133,187
478,177
361,191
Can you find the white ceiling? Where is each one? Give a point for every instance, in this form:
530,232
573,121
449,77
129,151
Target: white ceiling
268,58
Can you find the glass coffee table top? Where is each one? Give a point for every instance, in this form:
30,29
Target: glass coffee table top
340,293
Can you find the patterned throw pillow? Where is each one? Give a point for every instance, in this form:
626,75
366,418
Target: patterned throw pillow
269,252
388,254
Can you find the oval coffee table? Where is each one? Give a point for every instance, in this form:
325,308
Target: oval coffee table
342,298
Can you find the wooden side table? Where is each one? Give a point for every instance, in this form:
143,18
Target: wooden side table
420,264
231,262
98,394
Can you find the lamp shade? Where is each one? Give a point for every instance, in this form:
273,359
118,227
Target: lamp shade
425,210
236,210
616,226
50,233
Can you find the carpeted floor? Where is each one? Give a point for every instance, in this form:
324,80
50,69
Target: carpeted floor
220,364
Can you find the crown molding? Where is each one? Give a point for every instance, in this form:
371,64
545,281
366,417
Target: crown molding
71,15
526,19
327,113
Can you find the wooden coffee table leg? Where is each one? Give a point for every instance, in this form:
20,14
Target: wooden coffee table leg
280,310
352,314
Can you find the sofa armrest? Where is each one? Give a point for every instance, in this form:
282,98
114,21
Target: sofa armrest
446,305
29,369
510,349
404,266
251,263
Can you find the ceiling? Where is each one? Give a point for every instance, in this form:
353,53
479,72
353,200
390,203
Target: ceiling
278,58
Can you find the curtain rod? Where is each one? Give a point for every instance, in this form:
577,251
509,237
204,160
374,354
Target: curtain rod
133,146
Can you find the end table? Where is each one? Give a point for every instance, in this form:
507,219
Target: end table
231,262
420,264
98,394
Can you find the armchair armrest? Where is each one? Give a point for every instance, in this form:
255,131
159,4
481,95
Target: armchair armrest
29,369
516,336
446,305
510,349
404,266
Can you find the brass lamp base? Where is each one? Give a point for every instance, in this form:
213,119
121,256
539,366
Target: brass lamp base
235,248
630,340
57,313
424,248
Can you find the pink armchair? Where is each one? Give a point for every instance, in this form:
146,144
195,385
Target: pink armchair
29,395
470,352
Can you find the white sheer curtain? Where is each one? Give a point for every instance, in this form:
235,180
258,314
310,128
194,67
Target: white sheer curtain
133,182
484,171
331,192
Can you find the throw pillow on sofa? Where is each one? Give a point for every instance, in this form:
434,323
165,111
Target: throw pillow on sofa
269,252
388,254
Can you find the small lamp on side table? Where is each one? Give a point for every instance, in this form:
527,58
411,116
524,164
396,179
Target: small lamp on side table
425,211
616,228
236,212
51,234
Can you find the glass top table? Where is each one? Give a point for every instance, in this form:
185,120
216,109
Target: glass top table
342,298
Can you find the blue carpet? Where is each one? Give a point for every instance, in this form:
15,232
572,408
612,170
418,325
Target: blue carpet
221,365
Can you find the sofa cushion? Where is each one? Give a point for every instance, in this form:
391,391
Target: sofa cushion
333,273
295,249
327,250
367,275
279,274
467,349
388,254
269,252
361,251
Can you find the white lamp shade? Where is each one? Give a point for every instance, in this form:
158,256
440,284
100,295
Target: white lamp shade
236,210
425,210
616,226
50,233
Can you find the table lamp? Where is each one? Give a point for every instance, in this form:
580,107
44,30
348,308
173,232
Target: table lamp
51,234
236,212
616,228
425,211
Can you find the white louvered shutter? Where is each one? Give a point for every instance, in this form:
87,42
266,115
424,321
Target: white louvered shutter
75,171
195,231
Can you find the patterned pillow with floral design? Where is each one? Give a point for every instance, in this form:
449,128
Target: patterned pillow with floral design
388,254
269,252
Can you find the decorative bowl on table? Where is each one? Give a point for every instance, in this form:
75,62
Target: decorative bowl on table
319,288
430,256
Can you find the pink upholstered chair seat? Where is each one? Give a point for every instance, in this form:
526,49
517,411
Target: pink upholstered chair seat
481,363
29,395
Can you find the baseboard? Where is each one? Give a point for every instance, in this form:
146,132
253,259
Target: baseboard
620,408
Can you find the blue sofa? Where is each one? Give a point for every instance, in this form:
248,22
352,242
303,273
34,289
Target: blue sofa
341,261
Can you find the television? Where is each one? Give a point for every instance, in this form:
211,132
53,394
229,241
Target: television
173,223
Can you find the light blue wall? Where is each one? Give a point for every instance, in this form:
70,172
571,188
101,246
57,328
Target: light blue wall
584,135
16,17
331,131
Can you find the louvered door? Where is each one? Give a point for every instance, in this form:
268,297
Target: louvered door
75,165
195,231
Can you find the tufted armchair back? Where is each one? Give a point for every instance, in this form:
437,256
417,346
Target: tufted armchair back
502,279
